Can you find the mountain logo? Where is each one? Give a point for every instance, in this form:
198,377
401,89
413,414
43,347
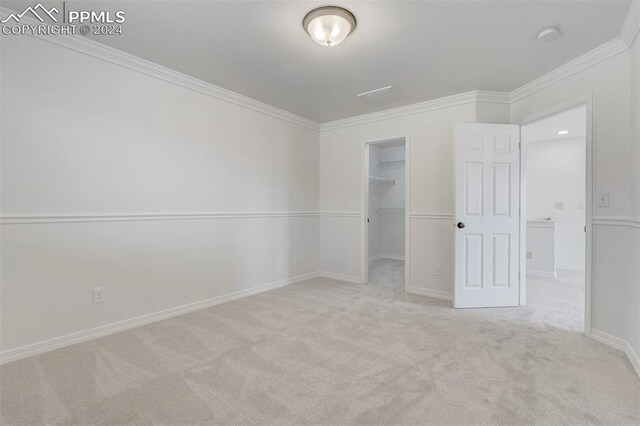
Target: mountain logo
33,11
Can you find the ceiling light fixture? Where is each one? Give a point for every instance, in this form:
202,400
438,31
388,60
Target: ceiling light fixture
563,132
549,34
329,25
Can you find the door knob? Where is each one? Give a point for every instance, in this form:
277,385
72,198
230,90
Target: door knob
460,225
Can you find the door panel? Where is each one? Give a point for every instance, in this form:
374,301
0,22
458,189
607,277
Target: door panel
487,201
473,189
501,189
501,259
473,260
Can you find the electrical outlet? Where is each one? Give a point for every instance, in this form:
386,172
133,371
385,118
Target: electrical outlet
603,199
99,295
529,255
438,270
559,206
296,259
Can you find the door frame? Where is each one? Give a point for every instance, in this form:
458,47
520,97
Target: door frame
364,240
585,100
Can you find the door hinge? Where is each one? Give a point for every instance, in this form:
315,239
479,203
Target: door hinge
585,229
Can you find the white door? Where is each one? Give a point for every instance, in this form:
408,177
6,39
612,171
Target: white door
487,171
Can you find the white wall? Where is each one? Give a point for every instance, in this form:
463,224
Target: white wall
633,322
556,181
82,136
635,114
431,202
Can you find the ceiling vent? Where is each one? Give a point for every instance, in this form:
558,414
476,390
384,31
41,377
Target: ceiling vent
382,96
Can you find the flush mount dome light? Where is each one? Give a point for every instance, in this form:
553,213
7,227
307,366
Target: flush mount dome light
329,25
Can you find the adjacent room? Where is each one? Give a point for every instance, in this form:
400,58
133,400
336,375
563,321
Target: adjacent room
555,197
300,212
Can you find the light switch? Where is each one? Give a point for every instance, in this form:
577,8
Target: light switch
602,199
559,206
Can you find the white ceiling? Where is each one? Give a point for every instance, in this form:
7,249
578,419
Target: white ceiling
574,121
424,49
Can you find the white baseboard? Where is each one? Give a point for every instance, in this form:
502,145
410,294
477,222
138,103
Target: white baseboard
619,344
435,294
340,277
83,336
104,330
633,358
609,340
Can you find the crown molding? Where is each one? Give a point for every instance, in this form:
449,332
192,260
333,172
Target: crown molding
631,27
432,105
593,57
435,104
620,44
100,51
581,63
491,97
628,35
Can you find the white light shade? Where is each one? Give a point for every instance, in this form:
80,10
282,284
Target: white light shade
329,25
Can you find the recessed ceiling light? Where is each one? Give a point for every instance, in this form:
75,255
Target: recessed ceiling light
549,34
329,25
563,132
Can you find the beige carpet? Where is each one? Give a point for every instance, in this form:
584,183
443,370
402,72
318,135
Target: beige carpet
326,352
559,301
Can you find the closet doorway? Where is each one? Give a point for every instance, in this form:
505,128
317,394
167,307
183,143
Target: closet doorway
385,223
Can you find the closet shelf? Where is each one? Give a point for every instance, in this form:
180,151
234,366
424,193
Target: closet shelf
379,185
398,164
